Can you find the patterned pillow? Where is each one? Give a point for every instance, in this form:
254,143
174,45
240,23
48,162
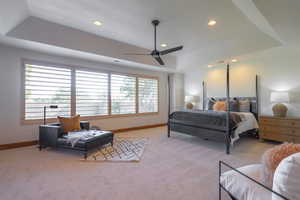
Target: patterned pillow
210,104
244,106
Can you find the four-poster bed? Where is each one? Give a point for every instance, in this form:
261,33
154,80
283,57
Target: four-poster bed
212,125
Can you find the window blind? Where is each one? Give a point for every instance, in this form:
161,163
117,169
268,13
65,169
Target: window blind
148,95
45,86
123,94
91,93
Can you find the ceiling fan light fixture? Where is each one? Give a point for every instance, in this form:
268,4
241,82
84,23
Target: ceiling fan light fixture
234,60
98,23
212,22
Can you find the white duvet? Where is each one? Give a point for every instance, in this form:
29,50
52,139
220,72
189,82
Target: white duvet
248,122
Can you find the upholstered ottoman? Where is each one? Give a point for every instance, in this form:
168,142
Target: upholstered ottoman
52,135
96,141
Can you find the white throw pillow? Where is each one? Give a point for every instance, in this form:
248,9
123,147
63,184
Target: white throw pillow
287,178
243,188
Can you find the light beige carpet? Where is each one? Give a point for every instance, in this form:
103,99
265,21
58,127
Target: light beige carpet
176,168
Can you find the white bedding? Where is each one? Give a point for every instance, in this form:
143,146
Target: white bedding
248,122
243,188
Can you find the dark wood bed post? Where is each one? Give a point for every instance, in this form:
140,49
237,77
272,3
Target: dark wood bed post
228,110
169,102
257,103
257,96
203,95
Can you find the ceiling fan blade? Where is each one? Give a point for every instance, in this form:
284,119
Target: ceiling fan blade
138,54
167,51
159,60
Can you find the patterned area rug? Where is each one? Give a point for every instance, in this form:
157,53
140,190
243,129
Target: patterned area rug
124,150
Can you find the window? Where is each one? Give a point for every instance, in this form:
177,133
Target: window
123,94
91,93
45,86
148,95
85,92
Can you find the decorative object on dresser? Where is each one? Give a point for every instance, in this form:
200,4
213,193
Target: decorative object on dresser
190,101
281,129
279,109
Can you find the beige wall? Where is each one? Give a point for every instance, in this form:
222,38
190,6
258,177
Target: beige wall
10,89
278,70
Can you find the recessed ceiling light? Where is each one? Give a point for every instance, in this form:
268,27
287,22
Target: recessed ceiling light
98,23
211,22
163,45
234,60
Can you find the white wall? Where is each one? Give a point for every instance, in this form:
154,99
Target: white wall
176,91
10,90
278,70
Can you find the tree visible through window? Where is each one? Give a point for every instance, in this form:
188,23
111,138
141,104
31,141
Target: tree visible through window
45,86
123,94
148,95
93,93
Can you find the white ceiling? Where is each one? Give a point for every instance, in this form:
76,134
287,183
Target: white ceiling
182,23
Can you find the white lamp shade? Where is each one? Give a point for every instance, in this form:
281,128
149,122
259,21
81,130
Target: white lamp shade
191,99
280,97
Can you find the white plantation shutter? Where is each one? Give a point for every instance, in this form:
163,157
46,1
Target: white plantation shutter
148,95
123,94
84,92
91,93
45,86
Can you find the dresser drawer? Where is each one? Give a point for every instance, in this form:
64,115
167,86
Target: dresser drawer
281,130
277,137
279,122
296,140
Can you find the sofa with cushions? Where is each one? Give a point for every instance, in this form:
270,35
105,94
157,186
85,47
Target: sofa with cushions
245,183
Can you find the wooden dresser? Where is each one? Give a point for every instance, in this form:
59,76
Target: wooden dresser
280,129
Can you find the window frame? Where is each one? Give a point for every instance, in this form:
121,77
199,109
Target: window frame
25,61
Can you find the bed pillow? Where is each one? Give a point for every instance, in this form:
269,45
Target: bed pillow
243,188
219,106
210,104
70,123
287,178
244,106
272,157
234,105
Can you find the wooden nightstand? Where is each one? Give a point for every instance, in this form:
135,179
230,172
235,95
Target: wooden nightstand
280,129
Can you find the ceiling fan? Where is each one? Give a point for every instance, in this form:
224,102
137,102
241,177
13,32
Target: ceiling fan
155,53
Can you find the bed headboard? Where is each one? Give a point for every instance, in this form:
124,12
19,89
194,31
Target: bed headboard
252,100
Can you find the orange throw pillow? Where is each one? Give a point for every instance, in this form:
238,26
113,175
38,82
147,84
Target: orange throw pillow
70,123
220,106
272,157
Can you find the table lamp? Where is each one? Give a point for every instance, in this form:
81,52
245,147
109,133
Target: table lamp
45,109
190,101
279,109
